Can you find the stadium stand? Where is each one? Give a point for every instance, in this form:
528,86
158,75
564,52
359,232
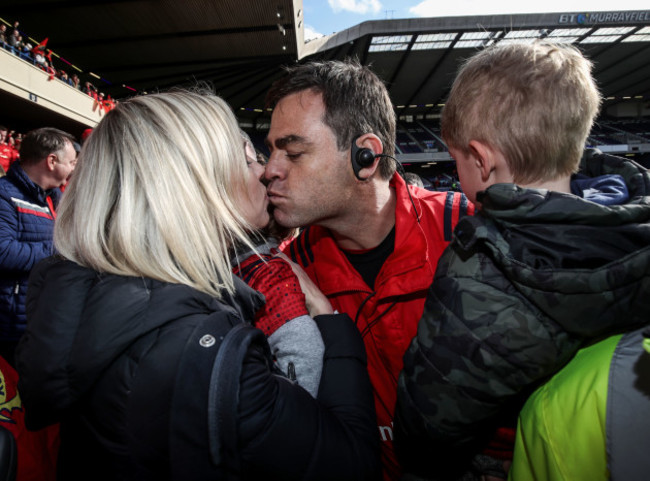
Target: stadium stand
241,53
428,137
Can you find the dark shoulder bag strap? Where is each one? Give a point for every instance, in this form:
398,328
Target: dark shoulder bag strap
189,435
203,431
224,392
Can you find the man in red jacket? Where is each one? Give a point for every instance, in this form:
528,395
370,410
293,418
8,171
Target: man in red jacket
370,243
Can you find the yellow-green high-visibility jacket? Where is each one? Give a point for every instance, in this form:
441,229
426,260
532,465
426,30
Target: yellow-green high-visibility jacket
591,420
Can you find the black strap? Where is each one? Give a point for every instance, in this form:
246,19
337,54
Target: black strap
190,430
628,404
224,393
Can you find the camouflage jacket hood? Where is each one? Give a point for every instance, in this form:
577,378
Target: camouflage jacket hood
523,285
561,250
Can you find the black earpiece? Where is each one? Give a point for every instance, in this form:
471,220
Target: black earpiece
364,157
361,157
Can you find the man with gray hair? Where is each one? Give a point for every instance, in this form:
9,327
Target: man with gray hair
29,194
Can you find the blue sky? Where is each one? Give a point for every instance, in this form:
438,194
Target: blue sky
323,17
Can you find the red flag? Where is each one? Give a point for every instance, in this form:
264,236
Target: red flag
40,48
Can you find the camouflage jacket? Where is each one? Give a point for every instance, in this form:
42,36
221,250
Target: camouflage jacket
520,289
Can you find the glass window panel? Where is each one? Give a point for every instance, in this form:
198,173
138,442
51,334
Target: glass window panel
637,38
468,43
431,45
391,39
569,32
601,39
475,35
389,47
522,34
562,39
436,37
517,40
613,31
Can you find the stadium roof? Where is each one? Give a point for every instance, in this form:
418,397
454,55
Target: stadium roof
241,45
419,57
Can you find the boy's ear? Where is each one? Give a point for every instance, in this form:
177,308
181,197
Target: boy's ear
483,157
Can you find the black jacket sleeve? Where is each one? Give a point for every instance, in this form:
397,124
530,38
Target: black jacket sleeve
286,434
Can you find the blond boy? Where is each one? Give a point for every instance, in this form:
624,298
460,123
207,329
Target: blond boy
547,264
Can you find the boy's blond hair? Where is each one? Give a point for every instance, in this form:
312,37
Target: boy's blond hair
535,103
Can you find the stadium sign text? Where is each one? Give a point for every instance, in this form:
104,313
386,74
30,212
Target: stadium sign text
605,17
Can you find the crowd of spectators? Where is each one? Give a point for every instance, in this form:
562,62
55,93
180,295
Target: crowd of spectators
441,177
13,40
445,181
9,146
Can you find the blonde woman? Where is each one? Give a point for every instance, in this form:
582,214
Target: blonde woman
139,339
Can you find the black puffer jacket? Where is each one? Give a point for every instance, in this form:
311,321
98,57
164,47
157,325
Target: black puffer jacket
127,365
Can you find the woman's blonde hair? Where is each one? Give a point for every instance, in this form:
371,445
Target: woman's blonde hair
154,192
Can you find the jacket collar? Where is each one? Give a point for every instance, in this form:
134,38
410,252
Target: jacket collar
511,203
335,274
20,178
246,300
561,250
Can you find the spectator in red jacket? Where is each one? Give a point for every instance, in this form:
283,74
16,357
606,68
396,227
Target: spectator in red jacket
8,153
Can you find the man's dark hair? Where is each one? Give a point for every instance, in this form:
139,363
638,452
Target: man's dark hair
40,143
356,102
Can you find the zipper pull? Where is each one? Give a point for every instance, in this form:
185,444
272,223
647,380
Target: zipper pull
291,371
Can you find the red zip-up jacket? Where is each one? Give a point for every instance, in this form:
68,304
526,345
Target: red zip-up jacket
388,315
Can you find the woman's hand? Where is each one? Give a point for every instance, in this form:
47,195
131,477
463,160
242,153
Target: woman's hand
316,302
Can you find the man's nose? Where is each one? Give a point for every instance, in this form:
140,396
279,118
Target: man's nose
274,167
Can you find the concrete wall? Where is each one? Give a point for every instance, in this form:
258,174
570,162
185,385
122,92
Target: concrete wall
32,84
632,108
